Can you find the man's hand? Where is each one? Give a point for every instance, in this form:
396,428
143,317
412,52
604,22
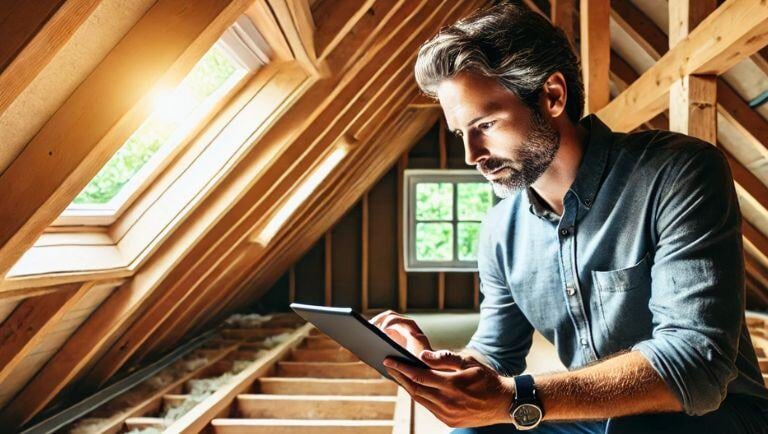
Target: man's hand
402,330
457,389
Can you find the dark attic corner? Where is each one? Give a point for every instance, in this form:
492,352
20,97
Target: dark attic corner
554,212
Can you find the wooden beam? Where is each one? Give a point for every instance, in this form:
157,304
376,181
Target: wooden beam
692,98
335,19
327,275
595,53
298,30
32,34
160,49
292,284
640,28
31,321
262,406
693,107
402,277
201,415
563,16
364,253
733,31
212,246
251,257
443,162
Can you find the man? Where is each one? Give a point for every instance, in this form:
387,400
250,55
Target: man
624,250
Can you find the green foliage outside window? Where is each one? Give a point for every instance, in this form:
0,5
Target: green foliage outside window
435,224
202,81
434,201
434,241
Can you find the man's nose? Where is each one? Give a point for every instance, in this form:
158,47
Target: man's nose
474,151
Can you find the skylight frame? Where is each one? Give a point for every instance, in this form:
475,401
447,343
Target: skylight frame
245,46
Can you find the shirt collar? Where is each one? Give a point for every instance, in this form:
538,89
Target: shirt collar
590,173
593,162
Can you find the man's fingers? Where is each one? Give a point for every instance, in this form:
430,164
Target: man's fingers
424,377
376,320
426,396
442,359
391,320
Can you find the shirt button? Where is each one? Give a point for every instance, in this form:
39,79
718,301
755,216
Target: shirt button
583,342
570,290
564,232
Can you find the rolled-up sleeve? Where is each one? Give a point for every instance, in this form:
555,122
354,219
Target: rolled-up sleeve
503,335
697,289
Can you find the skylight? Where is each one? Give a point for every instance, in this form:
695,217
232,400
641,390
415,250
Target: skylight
175,114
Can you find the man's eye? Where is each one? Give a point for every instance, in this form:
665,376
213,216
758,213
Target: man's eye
486,125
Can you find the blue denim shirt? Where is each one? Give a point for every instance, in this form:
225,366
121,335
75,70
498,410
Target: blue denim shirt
646,256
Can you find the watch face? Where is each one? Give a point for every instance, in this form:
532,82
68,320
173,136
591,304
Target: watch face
527,415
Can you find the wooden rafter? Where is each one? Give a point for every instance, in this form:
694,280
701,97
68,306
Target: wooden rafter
415,40
31,321
159,49
595,53
209,283
32,33
67,158
335,19
733,31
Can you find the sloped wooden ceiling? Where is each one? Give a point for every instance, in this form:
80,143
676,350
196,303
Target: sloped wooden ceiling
347,65
341,77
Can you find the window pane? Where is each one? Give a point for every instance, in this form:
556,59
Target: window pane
434,241
468,234
475,199
207,76
434,201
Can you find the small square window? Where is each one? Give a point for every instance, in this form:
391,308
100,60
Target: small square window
444,209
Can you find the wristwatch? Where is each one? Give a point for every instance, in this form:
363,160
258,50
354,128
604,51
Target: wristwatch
526,410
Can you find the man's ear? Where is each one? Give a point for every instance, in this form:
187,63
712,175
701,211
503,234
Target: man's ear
554,95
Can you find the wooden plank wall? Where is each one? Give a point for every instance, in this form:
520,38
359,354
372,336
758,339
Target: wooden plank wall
345,262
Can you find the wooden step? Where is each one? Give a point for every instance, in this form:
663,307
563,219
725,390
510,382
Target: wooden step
763,362
323,355
326,370
144,422
318,342
325,386
315,407
294,426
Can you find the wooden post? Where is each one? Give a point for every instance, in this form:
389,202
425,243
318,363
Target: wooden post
402,277
292,284
364,255
441,141
562,16
693,98
328,268
595,53
476,296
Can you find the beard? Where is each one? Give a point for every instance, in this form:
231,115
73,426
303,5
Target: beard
533,158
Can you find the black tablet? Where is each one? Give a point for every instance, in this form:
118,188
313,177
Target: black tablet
356,334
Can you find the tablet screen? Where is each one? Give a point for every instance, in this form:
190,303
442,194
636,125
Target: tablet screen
355,333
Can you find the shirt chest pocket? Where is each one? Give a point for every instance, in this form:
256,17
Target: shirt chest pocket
623,296
624,279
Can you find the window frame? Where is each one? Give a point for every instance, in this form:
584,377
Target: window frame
245,46
74,253
412,177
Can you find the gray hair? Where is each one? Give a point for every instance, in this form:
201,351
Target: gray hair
510,43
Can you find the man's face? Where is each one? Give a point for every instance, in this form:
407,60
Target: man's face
510,144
